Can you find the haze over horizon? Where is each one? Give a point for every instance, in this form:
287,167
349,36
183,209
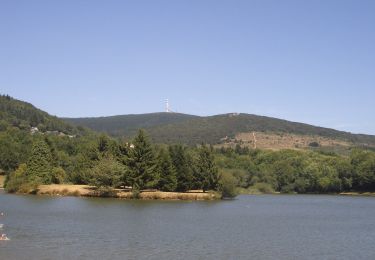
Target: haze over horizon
310,62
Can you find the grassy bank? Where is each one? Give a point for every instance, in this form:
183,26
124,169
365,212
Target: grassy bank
90,191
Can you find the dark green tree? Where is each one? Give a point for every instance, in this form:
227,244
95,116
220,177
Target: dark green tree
141,163
39,165
206,172
182,164
167,173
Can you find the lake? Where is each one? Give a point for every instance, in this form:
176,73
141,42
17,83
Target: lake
250,227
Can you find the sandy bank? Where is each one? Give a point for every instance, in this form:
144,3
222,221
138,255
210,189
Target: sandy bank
355,193
90,191
2,179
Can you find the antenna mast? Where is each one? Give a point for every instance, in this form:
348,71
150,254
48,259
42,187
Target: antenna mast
167,109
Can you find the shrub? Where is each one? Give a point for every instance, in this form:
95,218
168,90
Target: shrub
227,185
18,181
264,187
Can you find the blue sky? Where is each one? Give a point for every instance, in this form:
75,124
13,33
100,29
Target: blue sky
307,61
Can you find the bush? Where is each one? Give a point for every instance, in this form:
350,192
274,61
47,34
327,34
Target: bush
17,181
314,144
264,187
106,192
58,175
227,185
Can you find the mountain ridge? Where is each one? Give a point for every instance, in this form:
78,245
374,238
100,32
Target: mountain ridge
190,129
230,128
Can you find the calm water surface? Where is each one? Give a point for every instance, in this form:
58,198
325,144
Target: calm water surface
250,227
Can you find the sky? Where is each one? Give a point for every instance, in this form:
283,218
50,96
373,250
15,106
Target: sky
309,61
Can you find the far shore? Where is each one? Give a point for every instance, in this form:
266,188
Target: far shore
91,191
357,193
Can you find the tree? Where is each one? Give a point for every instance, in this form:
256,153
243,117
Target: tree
17,180
58,175
227,185
182,164
206,172
107,173
142,171
39,164
363,163
167,173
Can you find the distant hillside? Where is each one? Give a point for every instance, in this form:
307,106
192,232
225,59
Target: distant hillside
23,115
127,125
181,128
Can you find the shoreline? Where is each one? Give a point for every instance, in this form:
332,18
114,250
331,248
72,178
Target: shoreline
91,191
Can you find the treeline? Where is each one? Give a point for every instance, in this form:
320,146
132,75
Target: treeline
29,160
298,171
107,163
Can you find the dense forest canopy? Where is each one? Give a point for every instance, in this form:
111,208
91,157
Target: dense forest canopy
61,153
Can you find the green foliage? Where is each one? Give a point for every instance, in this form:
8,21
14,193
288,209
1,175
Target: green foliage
107,173
39,165
14,148
183,166
141,162
88,158
228,185
206,172
58,175
363,163
167,173
23,115
263,187
18,181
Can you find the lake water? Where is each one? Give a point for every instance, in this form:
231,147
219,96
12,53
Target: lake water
250,227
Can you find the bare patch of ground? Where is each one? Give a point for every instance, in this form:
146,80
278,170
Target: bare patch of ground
278,141
65,190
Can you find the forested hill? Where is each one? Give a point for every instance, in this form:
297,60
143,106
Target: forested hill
187,129
23,115
127,125
169,127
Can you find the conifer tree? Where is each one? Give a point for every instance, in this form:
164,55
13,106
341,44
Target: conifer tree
206,172
167,173
182,164
141,162
39,165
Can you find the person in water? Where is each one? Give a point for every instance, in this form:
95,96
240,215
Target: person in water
3,237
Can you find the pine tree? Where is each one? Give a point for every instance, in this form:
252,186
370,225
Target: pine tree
182,164
167,173
142,171
206,172
39,165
